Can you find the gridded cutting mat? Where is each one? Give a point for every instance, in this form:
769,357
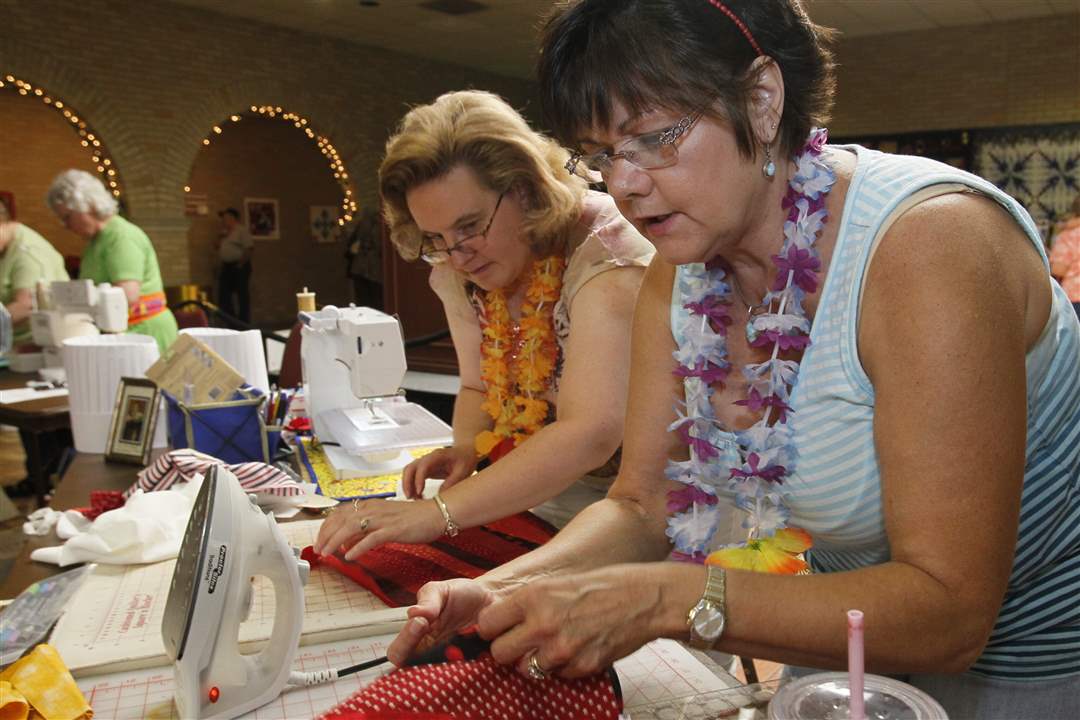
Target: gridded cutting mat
117,621
657,680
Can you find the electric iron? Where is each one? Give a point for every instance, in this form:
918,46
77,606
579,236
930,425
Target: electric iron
227,543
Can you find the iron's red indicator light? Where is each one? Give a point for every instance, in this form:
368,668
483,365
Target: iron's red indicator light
214,694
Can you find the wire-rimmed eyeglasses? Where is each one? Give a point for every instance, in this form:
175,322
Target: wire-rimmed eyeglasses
647,151
436,252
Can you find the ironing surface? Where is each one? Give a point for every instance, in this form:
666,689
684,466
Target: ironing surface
124,631
663,673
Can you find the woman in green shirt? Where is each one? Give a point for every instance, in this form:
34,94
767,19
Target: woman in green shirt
119,252
26,258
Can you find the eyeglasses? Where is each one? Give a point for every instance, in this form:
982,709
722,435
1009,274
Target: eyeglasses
436,252
648,152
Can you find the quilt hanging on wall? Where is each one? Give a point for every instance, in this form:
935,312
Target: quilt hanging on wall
1039,166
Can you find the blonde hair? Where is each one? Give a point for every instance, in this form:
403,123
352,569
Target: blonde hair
479,130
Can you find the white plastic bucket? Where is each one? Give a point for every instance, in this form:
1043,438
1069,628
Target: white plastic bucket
94,366
243,349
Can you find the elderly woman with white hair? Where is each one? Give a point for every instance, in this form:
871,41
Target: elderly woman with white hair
119,252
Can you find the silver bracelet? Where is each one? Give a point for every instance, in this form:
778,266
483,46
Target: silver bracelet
452,528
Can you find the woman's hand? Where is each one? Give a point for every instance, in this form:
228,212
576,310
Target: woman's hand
576,625
441,609
452,465
358,527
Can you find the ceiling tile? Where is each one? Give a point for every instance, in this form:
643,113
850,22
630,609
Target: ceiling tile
953,12
1016,9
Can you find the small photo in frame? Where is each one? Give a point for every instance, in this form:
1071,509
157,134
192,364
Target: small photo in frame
131,433
261,215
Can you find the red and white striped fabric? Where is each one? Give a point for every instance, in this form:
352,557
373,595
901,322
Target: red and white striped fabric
182,465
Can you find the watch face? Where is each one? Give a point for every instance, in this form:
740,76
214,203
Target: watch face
708,622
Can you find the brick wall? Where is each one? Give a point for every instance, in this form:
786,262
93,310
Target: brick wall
1023,72
153,78
30,131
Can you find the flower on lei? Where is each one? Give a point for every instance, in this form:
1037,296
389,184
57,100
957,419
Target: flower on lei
778,553
684,498
801,264
692,529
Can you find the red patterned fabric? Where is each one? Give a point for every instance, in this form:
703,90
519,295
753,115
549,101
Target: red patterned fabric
396,571
102,501
460,681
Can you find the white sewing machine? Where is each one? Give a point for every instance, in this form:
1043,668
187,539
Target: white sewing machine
73,308
353,362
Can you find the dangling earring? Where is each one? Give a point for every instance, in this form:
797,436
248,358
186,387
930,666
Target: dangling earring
769,168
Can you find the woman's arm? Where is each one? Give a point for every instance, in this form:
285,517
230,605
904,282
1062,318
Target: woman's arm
954,298
131,290
21,305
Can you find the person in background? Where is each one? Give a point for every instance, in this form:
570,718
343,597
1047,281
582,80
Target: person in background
118,252
538,277
235,248
1065,255
862,352
363,259
26,258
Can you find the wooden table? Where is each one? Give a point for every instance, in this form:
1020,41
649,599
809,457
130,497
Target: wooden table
34,417
87,472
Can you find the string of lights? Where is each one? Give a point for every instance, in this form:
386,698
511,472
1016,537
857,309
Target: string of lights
87,137
337,166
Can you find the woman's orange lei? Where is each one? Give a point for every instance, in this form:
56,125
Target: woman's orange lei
518,362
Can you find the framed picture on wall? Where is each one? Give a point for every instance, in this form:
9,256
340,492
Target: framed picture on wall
324,223
131,432
261,216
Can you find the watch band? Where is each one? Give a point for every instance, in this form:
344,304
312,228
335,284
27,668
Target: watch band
452,528
712,606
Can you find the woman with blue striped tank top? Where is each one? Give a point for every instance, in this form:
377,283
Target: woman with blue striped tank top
850,369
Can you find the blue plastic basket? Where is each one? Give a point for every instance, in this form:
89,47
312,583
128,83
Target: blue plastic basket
233,431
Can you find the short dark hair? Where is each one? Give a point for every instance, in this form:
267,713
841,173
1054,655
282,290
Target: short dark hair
230,211
680,55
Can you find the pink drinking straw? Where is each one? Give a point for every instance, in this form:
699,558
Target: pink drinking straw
855,663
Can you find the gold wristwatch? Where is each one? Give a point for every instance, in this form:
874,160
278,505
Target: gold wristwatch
706,619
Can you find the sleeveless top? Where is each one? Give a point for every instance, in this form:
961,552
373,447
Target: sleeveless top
836,488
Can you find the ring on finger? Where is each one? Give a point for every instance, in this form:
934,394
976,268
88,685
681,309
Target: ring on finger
364,524
356,504
536,672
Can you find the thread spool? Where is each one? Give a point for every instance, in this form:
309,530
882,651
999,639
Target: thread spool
305,301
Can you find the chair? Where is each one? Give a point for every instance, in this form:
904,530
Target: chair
190,317
290,375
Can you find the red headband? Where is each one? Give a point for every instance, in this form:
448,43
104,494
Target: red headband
738,23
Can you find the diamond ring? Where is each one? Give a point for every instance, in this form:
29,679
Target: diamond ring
535,671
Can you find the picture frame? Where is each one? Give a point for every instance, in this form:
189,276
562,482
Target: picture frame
325,227
261,218
134,419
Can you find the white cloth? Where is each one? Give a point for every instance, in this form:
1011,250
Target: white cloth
148,528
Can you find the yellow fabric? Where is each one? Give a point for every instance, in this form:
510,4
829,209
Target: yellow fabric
41,681
331,487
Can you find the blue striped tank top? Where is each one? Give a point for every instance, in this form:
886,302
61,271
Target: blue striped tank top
836,488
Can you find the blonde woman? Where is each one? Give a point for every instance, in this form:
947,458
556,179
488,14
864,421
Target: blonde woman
538,277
